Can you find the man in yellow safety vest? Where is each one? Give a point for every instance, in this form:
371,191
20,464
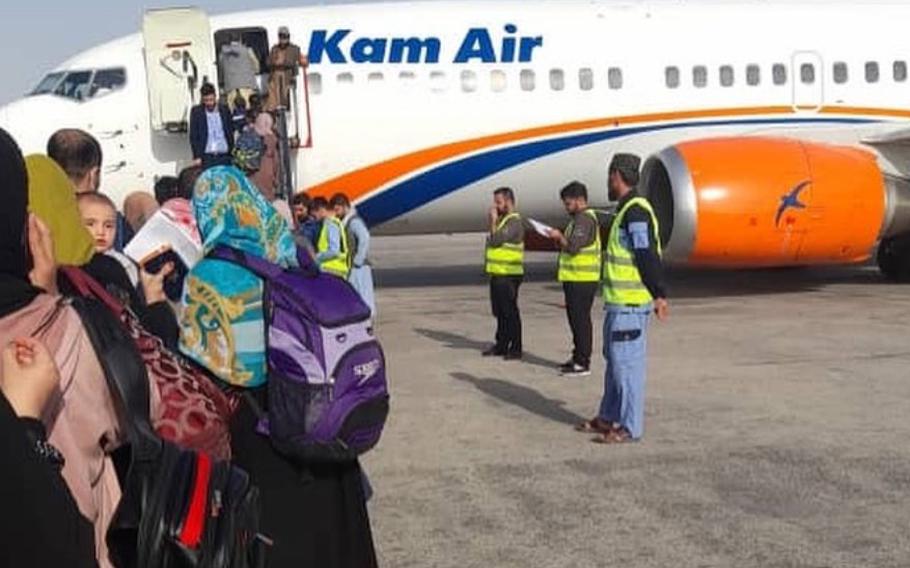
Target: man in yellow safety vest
632,287
504,263
579,272
332,242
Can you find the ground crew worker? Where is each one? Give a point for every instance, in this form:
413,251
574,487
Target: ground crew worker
579,272
632,287
505,266
332,243
361,269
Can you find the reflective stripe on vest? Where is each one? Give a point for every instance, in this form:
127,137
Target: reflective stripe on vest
622,281
338,264
585,266
508,258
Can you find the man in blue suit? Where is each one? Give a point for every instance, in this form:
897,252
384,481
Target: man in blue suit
211,131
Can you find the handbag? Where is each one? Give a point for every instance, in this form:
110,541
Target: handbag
179,508
193,412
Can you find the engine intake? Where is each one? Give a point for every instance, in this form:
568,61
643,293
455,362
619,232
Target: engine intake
756,202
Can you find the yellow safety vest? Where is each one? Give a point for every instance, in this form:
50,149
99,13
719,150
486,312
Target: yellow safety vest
585,265
508,258
338,264
622,281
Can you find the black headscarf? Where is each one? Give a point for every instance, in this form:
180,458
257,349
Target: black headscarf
16,291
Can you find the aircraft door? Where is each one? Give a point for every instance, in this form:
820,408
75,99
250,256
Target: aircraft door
179,58
807,71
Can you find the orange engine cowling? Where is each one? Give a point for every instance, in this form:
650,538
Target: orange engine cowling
767,202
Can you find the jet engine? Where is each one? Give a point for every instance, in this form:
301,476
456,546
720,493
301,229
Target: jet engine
761,202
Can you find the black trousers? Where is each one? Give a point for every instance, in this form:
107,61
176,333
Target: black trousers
212,160
579,299
504,300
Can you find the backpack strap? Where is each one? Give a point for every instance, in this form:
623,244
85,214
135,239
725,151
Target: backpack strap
88,287
258,266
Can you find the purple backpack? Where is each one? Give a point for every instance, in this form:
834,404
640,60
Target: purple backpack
327,391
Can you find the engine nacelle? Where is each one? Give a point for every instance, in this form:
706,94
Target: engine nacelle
755,202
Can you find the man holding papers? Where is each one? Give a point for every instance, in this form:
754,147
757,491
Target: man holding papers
505,266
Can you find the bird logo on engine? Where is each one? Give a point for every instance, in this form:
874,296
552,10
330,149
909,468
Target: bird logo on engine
791,201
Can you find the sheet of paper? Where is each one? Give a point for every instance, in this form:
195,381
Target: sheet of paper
160,234
540,227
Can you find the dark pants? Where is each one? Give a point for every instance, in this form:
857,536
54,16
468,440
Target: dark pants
212,160
579,298
504,300
317,516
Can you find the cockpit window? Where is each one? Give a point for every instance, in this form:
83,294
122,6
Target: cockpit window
107,80
48,84
75,85
82,85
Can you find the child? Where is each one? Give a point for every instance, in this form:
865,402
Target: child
100,217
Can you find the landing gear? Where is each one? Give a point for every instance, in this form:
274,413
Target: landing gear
894,258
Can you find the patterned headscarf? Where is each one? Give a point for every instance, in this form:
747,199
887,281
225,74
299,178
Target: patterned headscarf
222,324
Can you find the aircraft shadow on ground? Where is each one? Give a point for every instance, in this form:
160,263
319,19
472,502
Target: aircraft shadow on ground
682,282
454,341
523,397
458,275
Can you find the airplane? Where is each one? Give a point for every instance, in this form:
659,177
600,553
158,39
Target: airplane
776,133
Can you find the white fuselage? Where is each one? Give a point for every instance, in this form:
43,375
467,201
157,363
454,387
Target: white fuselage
420,110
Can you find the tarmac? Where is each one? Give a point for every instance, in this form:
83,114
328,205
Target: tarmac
777,424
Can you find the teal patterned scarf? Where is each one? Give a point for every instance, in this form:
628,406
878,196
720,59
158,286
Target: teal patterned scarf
221,325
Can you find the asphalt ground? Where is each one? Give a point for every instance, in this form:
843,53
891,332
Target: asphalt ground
777,424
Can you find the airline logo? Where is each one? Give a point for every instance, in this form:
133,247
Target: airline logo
791,201
480,45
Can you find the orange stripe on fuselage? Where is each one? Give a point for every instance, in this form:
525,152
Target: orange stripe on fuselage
359,183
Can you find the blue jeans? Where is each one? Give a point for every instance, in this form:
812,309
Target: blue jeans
625,349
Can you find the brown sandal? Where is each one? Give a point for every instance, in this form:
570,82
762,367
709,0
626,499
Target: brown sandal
618,436
595,426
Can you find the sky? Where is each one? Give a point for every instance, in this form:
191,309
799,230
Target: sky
37,35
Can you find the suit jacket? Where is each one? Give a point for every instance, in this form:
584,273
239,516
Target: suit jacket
199,129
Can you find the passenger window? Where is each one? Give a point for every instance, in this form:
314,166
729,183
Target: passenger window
779,74
526,78
841,73
700,76
671,77
345,78
374,77
498,81
726,76
314,80
468,81
75,85
900,71
753,75
107,80
586,79
614,78
438,81
557,79
807,73
872,72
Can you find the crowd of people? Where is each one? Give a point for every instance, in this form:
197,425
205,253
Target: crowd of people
62,428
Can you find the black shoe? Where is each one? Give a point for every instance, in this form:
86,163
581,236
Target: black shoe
494,352
513,356
574,370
